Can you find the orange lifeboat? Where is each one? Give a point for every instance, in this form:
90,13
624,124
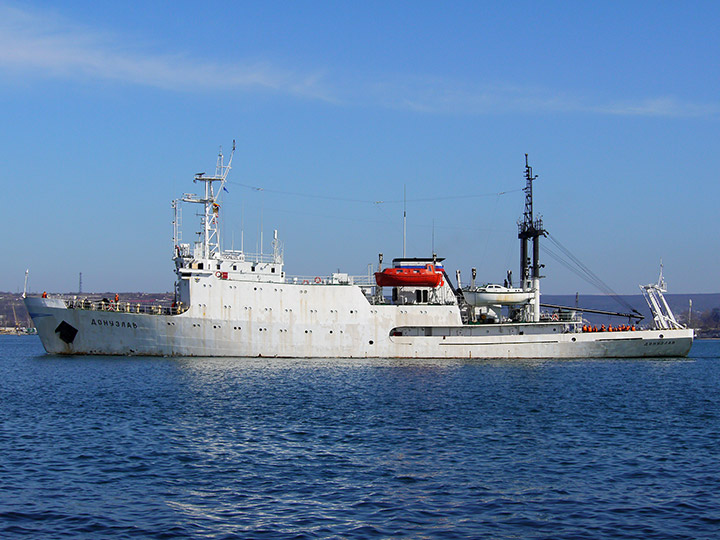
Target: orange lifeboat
408,276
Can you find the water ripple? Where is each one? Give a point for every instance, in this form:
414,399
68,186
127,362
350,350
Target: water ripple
260,448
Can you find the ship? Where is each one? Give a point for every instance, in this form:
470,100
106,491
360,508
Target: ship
240,304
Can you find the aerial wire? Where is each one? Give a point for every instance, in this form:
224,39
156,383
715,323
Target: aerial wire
404,200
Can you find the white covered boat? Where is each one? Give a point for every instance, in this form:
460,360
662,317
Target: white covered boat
233,303
496,295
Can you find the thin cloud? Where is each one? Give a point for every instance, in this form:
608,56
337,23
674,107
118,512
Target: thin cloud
667,106
39,44
48,45
434,95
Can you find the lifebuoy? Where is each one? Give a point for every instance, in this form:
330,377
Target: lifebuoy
306,282
318,280
218,274
555,317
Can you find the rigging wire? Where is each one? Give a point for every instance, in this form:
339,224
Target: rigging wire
572,263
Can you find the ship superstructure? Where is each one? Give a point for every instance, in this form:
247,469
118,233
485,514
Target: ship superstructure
233,303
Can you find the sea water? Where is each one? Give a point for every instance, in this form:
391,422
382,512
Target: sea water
114,447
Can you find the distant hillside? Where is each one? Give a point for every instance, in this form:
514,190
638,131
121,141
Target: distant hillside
679,303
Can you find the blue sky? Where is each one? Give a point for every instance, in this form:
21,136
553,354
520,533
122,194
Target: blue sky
108,109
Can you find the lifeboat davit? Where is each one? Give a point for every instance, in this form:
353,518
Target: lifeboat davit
407,276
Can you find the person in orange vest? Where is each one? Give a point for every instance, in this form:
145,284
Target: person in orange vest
594,329
117,297
44,294
602,327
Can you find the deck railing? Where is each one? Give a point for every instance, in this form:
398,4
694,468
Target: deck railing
127,307
362,281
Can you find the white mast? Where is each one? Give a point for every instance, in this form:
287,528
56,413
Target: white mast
210,234
25,287
176,225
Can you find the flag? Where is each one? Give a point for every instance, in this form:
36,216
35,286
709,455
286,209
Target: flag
225,189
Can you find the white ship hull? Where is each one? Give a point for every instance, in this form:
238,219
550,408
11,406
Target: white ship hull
266,325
